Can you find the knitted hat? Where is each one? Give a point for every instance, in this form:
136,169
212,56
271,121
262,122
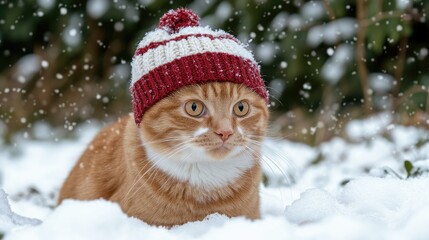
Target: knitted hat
180,53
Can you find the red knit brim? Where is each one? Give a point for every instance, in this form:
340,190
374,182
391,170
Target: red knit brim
194,69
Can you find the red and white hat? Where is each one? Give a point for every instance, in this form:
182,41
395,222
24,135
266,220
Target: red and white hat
180,53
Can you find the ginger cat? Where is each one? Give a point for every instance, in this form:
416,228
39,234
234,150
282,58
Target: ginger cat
196,152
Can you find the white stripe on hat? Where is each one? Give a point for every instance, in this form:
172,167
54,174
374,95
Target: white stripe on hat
159,35
163,54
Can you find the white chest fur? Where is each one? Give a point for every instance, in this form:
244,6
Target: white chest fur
195,167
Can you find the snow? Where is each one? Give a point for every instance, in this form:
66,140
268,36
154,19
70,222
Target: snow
368,127
277,86
146,2
398,202
381,83
404,136
46,4
402,4
45,64
224,11
215,20
386,208
97,8
280,21
335,67
313,10
9,219
266,52
71,34
347,188
309,207
423,53
121,72
27,66
30,166
332,32
295,22
118,26
63,11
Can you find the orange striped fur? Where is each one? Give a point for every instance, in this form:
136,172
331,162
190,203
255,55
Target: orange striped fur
175,168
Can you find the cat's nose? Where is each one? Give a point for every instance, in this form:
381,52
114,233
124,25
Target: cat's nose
224,134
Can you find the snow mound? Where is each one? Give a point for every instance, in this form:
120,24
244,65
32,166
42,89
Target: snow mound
387,201
10,220
100,219
313,205
97,219
366,208
379,208
370,127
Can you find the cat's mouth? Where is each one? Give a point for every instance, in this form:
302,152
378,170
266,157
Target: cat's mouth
220,151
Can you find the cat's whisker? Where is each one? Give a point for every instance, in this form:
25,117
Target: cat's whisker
288,177
151,176
276,139
274,97
135,182
181,146
275,152
164,140
139,176
168,154
159,156
267,163
183,159
254,152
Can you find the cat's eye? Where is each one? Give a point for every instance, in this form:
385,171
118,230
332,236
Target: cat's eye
195,108
241,108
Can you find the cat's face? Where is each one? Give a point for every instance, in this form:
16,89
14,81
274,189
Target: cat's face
208,122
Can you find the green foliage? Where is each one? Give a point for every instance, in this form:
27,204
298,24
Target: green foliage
345,182
408,168
413,171
421,142
319,158
265,179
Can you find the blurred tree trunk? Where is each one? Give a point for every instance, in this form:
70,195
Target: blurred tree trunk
360,56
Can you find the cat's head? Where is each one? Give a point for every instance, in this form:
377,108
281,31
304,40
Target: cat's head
208,122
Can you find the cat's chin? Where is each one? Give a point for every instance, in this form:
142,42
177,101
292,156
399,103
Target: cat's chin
224,152
219,152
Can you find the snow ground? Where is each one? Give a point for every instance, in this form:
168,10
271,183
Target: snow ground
353,188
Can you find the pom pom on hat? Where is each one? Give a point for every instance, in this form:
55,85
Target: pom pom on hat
174,20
